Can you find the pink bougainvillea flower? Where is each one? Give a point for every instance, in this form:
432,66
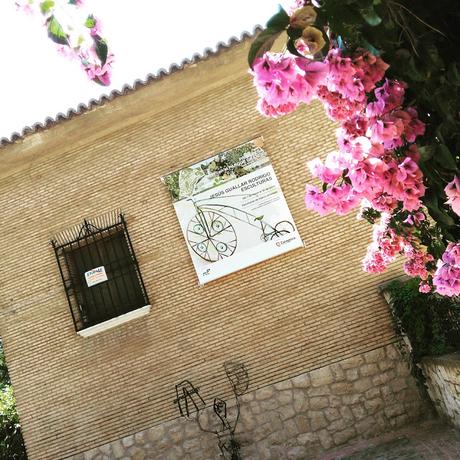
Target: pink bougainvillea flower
374,261
415,219
451,255
416,262
275,111
327,172
338,199
99,74
453,194
371,69
424,287
283,84
446,280
314,71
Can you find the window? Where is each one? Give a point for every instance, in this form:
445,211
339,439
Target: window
100,272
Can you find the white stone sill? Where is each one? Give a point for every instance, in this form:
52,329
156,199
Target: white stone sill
110,323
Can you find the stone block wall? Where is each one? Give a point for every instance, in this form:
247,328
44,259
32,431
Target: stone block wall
443,383
297,418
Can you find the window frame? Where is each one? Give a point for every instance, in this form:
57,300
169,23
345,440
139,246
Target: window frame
90,238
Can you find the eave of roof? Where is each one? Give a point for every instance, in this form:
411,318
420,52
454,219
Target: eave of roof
104,98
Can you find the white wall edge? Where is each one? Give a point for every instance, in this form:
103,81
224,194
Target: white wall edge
109,324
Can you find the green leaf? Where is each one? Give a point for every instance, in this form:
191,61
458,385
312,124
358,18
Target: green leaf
426,152
46,6
444,158
279,21
101,50
90,21
411,70
370,16
263,42
294,33
371,48
453,75
438,214
56,32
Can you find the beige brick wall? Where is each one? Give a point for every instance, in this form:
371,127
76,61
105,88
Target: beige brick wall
288,315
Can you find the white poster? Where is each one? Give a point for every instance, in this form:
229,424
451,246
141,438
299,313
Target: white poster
232,211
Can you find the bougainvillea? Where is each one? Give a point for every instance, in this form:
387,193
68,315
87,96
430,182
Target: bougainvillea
378,167
76,33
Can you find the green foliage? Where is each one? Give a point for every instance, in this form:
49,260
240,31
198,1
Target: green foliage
172,182
431,322
90,21
101,50
264,41
56,32
46,6
11,442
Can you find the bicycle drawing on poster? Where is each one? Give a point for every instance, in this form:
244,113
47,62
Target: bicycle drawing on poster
212,236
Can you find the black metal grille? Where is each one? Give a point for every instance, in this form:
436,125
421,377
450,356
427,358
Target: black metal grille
103,242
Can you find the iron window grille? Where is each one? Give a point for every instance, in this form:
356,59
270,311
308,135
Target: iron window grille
99,245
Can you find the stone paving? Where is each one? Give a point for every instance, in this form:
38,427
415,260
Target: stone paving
431,440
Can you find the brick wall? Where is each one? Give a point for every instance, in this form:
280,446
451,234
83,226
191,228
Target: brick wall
283,317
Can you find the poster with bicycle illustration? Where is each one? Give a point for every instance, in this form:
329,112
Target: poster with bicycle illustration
232,211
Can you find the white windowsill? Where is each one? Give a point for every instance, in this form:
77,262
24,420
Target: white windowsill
138,313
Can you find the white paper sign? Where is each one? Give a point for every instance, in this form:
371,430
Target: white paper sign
232,211
95,276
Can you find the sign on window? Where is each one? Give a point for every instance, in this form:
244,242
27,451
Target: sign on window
232,211
95,276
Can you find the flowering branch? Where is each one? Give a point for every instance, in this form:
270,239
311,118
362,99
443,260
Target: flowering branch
400,188
76,34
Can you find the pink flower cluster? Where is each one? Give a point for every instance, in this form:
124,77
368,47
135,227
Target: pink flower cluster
97,72
453,194
415,264
347,81
367,169
446,280
366,166
284,81
385,246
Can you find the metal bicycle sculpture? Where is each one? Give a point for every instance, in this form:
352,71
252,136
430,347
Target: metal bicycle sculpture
212,236
219,421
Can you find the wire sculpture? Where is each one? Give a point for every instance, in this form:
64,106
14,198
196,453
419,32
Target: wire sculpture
220,420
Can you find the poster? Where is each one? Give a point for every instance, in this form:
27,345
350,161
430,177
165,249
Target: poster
232,211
